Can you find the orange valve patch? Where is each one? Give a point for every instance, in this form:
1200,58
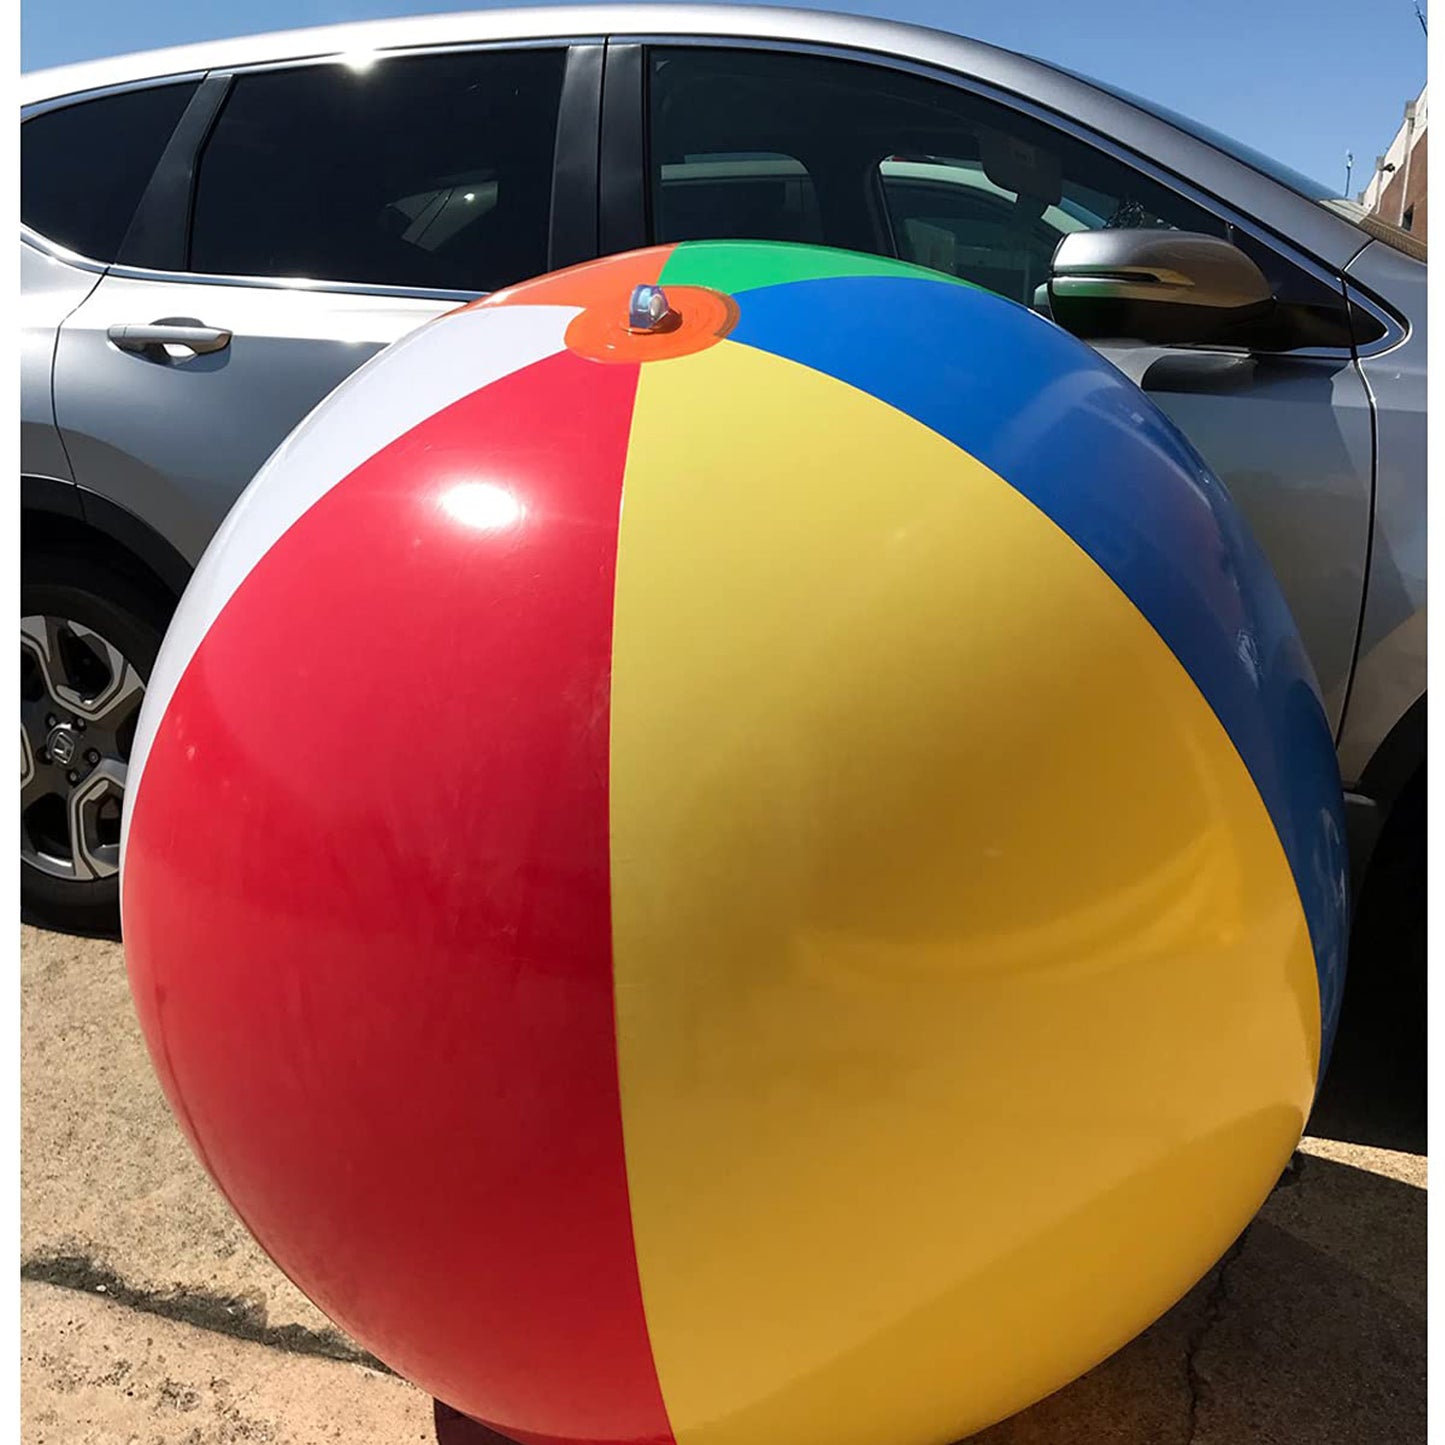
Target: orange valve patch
696,319
697,316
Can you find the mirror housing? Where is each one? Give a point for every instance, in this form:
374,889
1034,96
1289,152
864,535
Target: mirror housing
1164,287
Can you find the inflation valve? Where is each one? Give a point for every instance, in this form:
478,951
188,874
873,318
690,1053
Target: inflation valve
649,311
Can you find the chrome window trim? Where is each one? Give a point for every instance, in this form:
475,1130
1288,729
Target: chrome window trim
79,97
291,283
280,283
62,102
1135,160
326,284
547,24
47,247
1305,223
54,249
394,52
1397,329
31,237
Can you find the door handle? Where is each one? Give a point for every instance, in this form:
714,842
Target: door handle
200,339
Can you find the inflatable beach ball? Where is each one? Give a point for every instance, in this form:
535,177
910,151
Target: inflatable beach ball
736,845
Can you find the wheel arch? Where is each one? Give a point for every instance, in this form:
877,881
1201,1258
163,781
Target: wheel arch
1389,793
55,514
1398,758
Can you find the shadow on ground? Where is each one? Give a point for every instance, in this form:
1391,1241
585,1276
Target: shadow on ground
1312,1330
33,919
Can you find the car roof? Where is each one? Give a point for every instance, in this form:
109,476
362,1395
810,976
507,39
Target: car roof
1306,224
764,22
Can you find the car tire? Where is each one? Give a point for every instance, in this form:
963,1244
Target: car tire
1374,1090
80,615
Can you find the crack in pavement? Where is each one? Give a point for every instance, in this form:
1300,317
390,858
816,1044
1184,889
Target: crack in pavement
238,1316
1217,1299
1214,1306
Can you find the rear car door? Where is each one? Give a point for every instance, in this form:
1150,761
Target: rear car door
84,167
779,144
304,216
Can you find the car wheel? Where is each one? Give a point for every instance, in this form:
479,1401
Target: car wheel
89,635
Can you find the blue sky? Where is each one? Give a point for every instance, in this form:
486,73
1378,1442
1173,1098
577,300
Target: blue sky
1303,80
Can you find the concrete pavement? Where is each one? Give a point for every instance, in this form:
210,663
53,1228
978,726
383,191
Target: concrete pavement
149,1315
96,1371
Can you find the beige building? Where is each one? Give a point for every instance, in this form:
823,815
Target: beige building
1396,192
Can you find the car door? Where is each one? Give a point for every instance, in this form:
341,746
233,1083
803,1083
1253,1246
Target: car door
769,143
304,216
83,167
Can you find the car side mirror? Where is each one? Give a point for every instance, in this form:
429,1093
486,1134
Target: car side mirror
1163,287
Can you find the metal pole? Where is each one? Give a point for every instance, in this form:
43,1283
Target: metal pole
1404,172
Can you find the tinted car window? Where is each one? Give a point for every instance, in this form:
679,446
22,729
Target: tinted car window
83,167
426,171
730,196
894,163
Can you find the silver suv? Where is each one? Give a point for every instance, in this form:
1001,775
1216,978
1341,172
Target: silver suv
214,236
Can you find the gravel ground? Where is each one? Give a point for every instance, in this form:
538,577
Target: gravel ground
149,1315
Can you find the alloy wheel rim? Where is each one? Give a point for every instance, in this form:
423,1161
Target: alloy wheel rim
79,701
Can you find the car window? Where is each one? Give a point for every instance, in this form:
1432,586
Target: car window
892,163
731,195
425,171
947,214
84,167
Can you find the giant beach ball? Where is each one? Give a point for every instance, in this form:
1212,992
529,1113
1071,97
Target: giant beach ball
736,845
